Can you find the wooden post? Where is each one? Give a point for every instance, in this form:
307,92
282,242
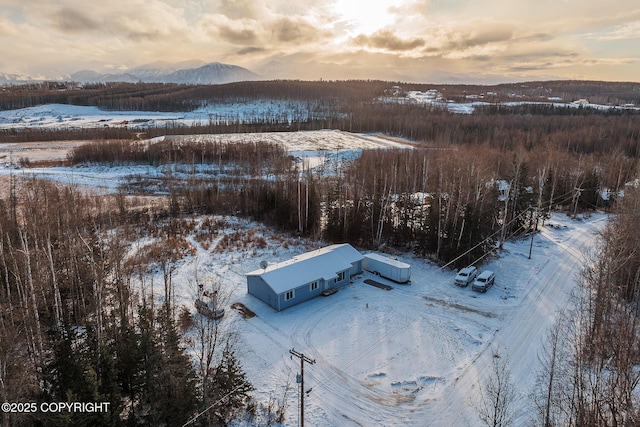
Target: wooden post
303,359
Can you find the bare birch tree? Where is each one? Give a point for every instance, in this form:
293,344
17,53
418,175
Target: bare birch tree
497,396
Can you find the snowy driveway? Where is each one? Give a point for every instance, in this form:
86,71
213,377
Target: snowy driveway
416,354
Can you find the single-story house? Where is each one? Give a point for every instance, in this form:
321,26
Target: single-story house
304,276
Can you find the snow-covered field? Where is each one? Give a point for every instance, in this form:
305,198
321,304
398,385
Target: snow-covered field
322,151
65,116
414,355
434,99
75,116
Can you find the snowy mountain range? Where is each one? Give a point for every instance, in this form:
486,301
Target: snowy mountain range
191,72
16,79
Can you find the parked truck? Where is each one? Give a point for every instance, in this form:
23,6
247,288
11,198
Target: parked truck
484,281
387,267
465,276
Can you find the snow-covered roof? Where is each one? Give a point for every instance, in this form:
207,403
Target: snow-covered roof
344,250
503,185
323,263
387,260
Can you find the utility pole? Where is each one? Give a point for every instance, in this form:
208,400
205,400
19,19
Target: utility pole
13,200
505,193
533,232
576,198
303,359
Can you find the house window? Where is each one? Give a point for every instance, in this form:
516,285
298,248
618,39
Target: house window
341,276
288,295
314,285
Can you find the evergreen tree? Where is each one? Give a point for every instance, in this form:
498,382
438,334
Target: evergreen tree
75,375
228,389
179,378
128,361
169,393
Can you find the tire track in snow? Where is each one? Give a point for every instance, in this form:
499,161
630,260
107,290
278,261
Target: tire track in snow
522,334
331,380
391,407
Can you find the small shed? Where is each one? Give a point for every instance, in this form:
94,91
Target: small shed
305,276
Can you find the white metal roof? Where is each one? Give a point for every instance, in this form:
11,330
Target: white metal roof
324,263
387,260
344,250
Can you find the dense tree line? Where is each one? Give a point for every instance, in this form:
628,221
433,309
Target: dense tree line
73,328
182,97
584,131
254,179
110,96
254,158
451,204
459,204
598,132
597,92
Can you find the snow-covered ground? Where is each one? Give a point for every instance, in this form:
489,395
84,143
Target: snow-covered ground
470,107
432,98
75,116
322,151
414,355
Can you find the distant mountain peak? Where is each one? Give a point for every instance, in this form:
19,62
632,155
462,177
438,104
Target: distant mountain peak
166,65
165,72
6,78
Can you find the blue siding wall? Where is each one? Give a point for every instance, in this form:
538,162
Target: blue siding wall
342,282
356,268
259,289
304,292
301,293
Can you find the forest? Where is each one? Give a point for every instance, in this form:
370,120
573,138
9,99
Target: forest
176,97
74,328
439,202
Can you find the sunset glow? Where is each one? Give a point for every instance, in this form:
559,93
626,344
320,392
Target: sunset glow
412,40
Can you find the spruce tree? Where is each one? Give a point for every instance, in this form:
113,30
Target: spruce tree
169,393
228,389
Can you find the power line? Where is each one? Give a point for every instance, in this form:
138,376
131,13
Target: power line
493,234
211,406
323,381
375,345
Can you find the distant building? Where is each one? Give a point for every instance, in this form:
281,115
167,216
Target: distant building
427,97
305,276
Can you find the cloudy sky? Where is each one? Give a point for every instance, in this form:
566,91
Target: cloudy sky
479,41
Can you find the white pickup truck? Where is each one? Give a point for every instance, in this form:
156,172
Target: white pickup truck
466,276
